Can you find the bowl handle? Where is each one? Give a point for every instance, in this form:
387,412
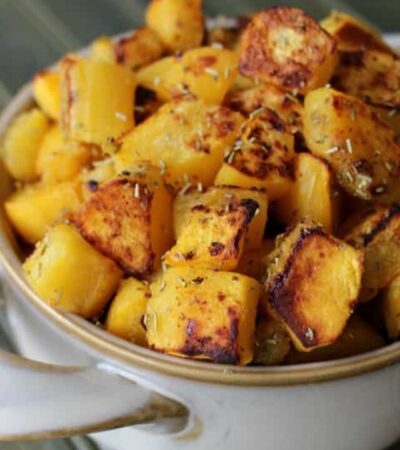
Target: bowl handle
40,401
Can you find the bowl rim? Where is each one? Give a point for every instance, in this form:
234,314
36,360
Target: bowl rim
104,344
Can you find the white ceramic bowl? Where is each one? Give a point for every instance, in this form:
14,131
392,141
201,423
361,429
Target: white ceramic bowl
93,381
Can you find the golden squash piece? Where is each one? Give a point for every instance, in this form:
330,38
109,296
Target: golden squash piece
127,311
371,75
213,239
272,343
262,157
311,195
357,144
219,199
264,95
312,284
102,49
179,23
182,138
21,144
35,208
253,263
358,337
97,100
378,236
391,116
129,219
203,314
47,93
286,47
391,308
69,274
60,159
205,73
351,34
102,171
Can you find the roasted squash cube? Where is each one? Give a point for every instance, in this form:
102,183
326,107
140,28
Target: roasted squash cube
205,73
311,195
33,209
180,24
129,219
357,144
182,138
262,157
312,284
203,314
217,199
254,263
69,274
21,144
213,239
103,49
378,236
391,308
125,317
47,93
97,100
286,47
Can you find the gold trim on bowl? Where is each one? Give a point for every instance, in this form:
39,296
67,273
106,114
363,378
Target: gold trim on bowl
106,345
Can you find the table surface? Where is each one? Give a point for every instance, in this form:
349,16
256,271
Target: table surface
34,33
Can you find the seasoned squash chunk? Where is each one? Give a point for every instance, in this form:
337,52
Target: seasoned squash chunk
262,157
371,75
47,93
264,95
97,100
311,195
272,343
60,159
391,308
127,311
205,73
217,200
254,263
378,236
351,34
21,144
69,274
203,314
182,138
102,171
179,23
129,219
33,209
312,284
213,239
103,49
357,144
286,47
358,337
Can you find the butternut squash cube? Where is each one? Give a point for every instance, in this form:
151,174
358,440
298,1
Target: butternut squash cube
311,195
182,138
21,144
69,274
60,159
312,284
356,143
102,49
253,263
127,311
47,93
97,100
262,157
391,308
272,342
286,47
217,199
203,314
378,236
35,208
179,23
129,219
213,239
204,73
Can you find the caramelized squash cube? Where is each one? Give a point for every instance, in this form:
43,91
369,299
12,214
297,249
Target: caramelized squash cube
203,314
312,284
47,93
69,274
